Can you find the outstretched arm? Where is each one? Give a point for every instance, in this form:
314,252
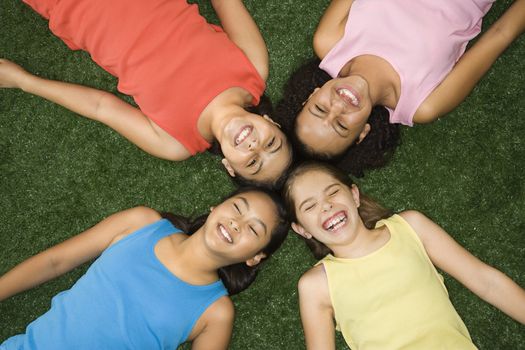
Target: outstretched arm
243,31
485,281
73,252
98,105
331,28
473,65
316,309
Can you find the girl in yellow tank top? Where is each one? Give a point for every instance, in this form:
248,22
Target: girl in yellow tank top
377,278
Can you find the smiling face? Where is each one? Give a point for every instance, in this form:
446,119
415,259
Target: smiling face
325,209
335,115
241,226
255,148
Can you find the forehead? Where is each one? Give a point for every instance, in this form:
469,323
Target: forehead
275,163
260,206
317,135
311,182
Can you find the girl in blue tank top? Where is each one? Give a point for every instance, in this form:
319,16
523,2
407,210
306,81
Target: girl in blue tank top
158,281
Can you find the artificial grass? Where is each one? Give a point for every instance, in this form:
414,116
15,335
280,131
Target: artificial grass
61,174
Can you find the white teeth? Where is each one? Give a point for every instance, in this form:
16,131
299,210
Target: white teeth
336,222
347,93
225,234
242,136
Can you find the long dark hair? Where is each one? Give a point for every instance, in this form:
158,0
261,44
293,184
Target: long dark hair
373,152
264,107
238,277
369,210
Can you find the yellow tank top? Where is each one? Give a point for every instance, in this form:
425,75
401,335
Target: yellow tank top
394,298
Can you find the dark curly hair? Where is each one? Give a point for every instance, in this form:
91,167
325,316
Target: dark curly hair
373,152
264,107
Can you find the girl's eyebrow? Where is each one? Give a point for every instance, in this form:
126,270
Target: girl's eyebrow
305,201
330,186
279,147
327,188
245,201
265,229
314,114
261,163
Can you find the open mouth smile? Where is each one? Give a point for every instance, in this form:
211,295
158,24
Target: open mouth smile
224,234
349,95
335,222
243,134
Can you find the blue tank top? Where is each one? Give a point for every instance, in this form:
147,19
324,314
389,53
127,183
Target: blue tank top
126,300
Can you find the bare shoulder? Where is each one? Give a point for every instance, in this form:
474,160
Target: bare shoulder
331,27
134,219
222,310
213,329
413,217
427,230
426,112
141,216
172,149
314,283
220,314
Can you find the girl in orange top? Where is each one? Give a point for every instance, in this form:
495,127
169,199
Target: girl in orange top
191,80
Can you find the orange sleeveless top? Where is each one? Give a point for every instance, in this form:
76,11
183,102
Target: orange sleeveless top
164,53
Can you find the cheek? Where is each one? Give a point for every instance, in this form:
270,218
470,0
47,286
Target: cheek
301,117
308,221
250,247
234,157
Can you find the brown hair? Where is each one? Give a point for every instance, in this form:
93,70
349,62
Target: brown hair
369,210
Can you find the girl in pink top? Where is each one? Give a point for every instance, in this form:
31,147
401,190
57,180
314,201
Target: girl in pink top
191,80
404,55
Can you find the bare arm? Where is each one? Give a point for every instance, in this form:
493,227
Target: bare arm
317,314
485,281
80,99
473,65
98,105
73,252
331,28
243,31
214,327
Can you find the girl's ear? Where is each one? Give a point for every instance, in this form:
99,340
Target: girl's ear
309,96
267,117
300,230
255,260
228,167
363,133
355,195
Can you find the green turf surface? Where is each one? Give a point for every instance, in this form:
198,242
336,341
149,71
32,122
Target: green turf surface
60,173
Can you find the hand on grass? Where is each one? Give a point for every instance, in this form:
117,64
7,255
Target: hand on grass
12,75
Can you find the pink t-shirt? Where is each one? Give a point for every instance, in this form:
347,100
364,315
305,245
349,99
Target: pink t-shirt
163,52
421,39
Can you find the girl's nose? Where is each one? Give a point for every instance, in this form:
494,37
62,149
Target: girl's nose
327,206
234,225
252,145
